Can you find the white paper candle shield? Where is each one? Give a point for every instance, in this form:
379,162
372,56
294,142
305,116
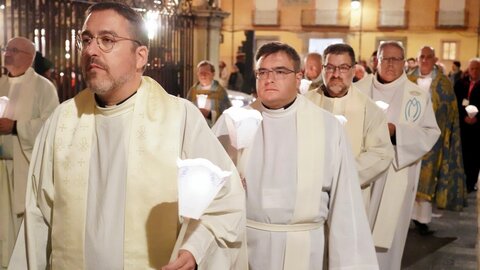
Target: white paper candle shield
242,124
424,83
3,104
382,105
472,110
199,181
304,85
202,100
342,119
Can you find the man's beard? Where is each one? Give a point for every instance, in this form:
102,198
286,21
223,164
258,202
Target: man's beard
102,86
337,83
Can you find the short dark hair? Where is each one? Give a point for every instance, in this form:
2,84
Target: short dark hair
137,29
339,48
457,63
206,63
274,47
411,59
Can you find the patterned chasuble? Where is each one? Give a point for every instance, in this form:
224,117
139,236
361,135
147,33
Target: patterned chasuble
442,178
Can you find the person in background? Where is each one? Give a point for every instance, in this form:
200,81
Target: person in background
366,124
313,70
223,74
359,72
442,178
304,202
235,80
102,190
209,96
467,91
411,65
413,132
456,73
32,98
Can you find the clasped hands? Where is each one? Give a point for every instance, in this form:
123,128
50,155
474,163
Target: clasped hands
184,261
6,126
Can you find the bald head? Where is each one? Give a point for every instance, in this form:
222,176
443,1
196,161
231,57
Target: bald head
426,60
313,65
19,55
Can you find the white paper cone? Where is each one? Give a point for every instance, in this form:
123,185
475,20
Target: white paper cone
304,85
342,119
382,105
472,110
199,181
201,100
3,104
242,124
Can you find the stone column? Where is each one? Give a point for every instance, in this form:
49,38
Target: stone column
207,32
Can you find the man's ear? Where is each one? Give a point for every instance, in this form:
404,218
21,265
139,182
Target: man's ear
142,56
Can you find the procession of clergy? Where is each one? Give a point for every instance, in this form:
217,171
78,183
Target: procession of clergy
322,180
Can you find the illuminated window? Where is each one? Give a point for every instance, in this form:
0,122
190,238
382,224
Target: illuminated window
449,50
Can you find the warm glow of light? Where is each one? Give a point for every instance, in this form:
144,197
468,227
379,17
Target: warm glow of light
2,6
355,4
151,23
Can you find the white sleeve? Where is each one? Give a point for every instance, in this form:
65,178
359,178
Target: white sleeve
32,246
377,154
415,139
350,244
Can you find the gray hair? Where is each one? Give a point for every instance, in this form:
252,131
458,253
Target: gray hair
390,43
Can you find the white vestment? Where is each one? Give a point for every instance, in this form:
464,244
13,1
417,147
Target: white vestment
302,193
32,98
109,175
410,110
367,131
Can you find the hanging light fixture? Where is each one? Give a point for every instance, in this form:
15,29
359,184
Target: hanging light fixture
355,4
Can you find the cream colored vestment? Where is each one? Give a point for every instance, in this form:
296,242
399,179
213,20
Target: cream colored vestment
303,197
32,99
367,132
163,128
410,109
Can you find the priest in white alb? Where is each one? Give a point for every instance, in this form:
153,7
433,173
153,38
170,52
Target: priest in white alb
102,187
366,124
28,100
303,198
413,132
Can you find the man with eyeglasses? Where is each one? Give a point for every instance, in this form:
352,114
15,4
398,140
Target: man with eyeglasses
442,177
300,177
103,182
31,100
366,124
413,132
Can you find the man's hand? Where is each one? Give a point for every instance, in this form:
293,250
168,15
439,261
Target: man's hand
391,129
470,120
6,126
184,261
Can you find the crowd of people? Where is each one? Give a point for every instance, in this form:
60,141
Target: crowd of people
331,178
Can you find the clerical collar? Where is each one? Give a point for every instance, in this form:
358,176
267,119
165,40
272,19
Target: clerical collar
284,107
102,104
19,75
